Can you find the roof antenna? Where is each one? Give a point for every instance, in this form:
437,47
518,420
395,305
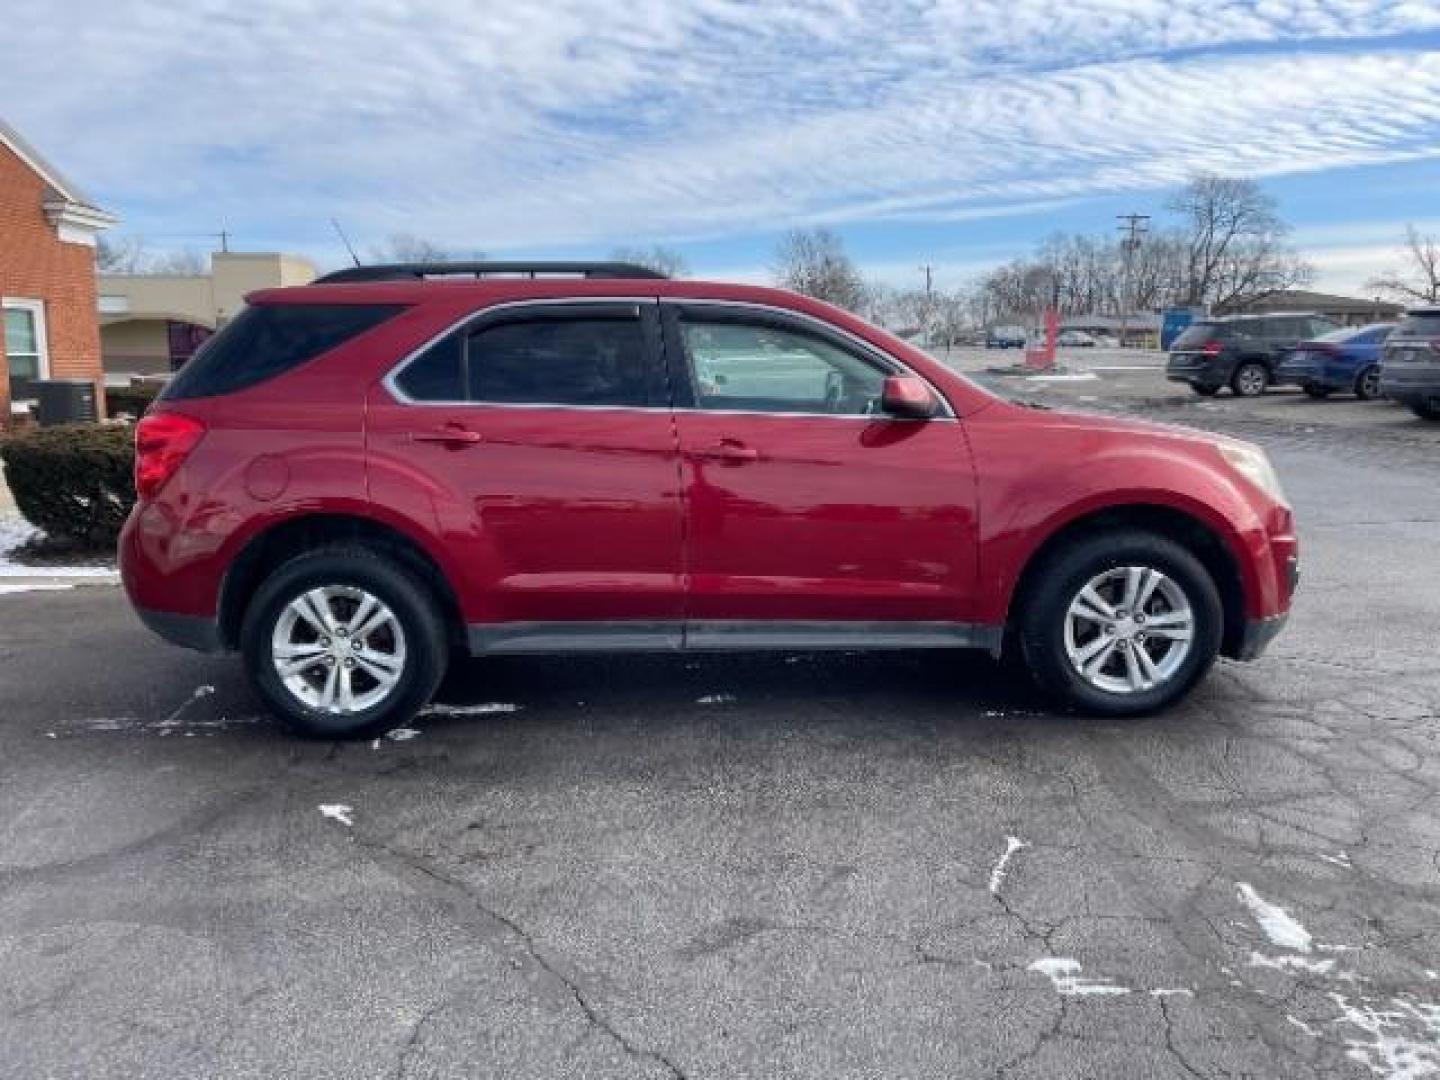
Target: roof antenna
345,240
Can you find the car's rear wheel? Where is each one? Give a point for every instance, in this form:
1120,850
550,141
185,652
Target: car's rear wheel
1367,383
1316,391
1250,380
1204,390
1120,623
342,643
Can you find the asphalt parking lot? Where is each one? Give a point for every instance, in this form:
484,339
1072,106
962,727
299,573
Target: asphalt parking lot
810,866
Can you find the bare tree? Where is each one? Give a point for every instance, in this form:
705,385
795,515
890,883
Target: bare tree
661,259
1235,246
1421,278
407,247
186,261
814,262
120,254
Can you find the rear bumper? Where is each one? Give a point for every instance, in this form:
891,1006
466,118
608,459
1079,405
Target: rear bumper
1411,383
188,631
1259,633
1208,372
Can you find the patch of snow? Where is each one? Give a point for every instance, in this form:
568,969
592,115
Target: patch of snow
16,532
1292,963
716,699
1084,376
997,873
10,587
402,734
339,812
1432,974
1278,925
484,709
1341,859
1064,975
1179,991
1404,1041
983,964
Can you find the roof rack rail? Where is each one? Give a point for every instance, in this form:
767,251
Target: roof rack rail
419,271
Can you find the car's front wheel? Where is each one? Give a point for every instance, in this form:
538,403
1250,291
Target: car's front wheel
1120,623
343,643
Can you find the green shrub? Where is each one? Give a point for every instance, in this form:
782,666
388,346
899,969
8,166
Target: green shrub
75,482
133,399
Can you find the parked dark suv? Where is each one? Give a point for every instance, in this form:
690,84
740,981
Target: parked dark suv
1410,367
357,478
1240,351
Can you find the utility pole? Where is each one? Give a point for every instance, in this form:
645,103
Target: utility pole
929,315
1135,227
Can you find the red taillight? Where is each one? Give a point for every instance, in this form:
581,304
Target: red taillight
1212,348
162,442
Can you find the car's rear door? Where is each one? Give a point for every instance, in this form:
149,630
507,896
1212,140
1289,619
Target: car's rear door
537,439
809,513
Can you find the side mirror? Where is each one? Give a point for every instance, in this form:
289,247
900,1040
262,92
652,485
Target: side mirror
909,397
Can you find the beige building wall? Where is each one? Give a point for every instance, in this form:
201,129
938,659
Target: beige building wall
136,308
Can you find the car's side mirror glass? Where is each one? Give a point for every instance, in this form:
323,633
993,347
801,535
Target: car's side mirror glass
909,397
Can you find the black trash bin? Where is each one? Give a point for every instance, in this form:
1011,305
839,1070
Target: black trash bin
64,401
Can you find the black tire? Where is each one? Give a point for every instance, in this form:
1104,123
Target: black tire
1426,410
1319,393
1367,383
1204,391
1060,579
414,607
1250,379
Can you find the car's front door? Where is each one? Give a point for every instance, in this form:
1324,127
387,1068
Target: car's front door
810,514
539,438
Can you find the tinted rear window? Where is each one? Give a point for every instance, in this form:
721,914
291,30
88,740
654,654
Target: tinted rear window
1427,325
1198,334
265,341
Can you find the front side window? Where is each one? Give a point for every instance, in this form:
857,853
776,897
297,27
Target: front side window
24,345
760,368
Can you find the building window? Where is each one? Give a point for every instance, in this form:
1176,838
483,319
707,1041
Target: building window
25,351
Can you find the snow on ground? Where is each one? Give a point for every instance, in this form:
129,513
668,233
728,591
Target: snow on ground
15,532
997,875
1064,975
338,812
1283,929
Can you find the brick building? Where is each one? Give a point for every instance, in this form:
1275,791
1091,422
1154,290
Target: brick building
47,274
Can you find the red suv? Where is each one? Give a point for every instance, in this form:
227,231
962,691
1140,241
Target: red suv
358,477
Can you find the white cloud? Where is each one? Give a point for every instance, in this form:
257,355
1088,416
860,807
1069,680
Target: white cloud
502,125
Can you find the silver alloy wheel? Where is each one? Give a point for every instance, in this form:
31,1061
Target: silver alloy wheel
1129,630
1251,380
339,649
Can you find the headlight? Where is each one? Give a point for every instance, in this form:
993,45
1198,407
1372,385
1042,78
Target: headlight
1252,463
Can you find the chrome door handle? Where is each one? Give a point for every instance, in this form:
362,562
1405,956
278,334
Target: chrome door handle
452,435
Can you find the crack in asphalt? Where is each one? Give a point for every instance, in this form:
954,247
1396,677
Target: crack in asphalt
416,865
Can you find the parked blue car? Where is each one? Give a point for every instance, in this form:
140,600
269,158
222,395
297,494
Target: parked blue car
1345,360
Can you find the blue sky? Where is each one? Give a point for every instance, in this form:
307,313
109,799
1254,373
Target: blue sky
949,132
